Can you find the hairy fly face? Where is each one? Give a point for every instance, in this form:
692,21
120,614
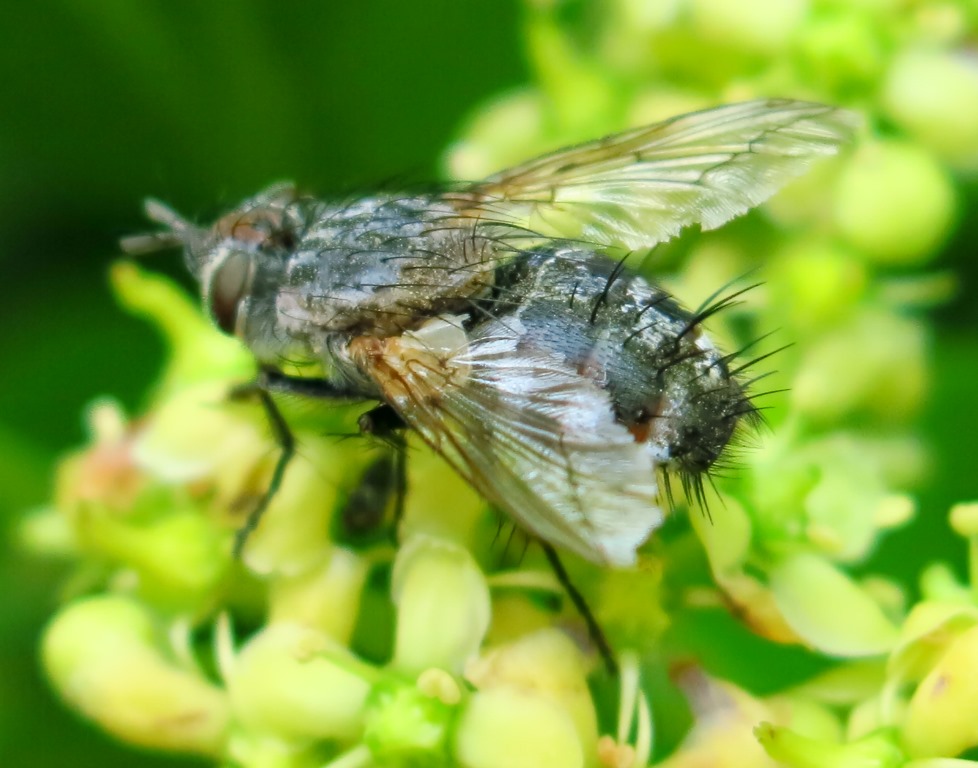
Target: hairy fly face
245,252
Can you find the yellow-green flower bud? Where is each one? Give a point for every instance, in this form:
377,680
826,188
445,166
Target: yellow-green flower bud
829,493
197,350
250,749
933,94
548,665
194,436
326,598
504,133
104,474
840,50
828,609
725,715
293,535
878,750
443,606
506,727
297,684
924,637
876,363
761,26
433,489
197,436
46,532
939,583
942,717
814,284
179,559
895,202
964,519
726,535
106,658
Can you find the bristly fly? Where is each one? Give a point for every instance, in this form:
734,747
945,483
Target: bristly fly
492,320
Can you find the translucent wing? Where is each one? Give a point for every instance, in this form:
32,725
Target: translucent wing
643,186
533,436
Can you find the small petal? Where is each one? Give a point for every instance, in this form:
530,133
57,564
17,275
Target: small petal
195,434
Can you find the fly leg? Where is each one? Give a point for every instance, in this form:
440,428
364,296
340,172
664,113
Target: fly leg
286,442
384,423
268,381
593,628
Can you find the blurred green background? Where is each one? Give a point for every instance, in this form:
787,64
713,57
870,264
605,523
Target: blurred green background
201,104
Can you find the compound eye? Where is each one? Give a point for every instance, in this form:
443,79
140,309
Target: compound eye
229,283
262,228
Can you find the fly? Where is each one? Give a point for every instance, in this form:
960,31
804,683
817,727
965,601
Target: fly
492,320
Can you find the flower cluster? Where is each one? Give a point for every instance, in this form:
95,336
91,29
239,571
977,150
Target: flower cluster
325,646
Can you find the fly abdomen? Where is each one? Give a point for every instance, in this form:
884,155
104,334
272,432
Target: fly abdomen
666,381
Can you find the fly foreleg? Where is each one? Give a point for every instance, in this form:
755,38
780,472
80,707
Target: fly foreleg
269,381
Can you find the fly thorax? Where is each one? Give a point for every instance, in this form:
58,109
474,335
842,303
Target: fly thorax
382,267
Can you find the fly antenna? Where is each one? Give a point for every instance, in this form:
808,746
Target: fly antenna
151,242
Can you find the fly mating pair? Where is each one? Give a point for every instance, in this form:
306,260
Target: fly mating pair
492,320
